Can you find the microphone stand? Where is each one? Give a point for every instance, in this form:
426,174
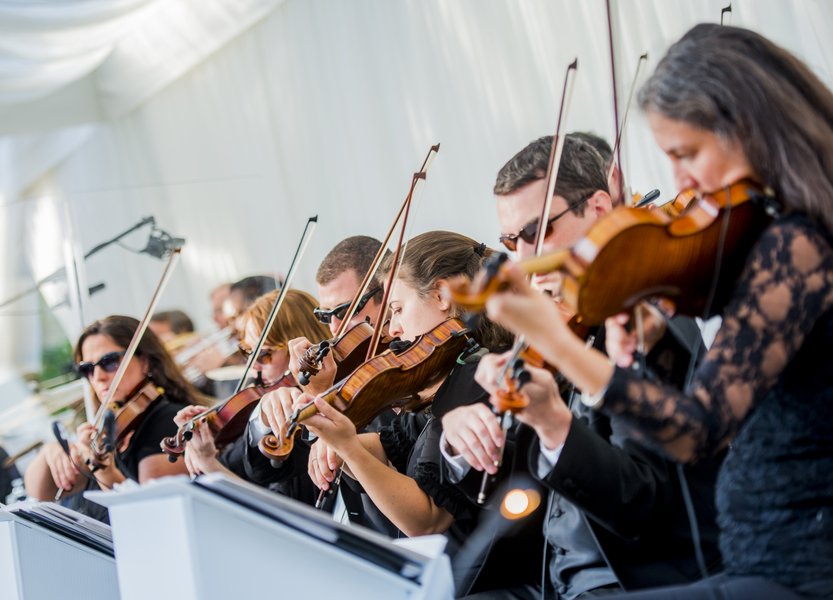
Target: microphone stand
59,273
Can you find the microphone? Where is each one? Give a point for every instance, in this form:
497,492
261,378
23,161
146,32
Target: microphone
161,243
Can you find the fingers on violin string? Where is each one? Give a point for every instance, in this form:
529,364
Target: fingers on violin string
326,409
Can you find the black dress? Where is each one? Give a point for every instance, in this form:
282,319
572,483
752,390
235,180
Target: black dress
766,386
412,445
158,423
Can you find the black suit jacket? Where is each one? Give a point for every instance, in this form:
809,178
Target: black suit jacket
631,497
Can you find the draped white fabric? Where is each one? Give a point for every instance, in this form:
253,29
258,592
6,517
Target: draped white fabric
323,106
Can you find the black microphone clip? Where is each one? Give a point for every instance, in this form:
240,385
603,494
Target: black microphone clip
161,243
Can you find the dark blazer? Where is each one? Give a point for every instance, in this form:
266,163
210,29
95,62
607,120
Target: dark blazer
630,496
633,500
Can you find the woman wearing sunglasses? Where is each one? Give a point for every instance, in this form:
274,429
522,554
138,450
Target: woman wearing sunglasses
242,458
99,353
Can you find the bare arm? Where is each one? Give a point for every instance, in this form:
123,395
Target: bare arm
398,496
51,470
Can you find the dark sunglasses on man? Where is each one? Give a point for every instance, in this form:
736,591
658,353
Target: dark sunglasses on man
109,362
530,230
326,316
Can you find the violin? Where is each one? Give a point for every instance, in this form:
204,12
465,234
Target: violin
393,378
226,421
673,208
128,416
349,351
632,254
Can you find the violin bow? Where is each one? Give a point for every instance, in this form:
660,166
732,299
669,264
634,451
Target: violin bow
134,343
399,254
374,267
616,159
300,250
556,150
402,216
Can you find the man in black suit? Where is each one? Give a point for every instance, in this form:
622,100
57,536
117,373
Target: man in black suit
616,514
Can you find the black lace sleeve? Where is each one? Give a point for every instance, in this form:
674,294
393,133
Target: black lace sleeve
786,286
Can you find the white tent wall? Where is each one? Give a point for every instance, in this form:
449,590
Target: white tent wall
327,107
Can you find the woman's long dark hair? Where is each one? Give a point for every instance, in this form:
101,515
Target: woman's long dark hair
161,367
743,87
443,254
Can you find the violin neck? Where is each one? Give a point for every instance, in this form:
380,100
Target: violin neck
544,263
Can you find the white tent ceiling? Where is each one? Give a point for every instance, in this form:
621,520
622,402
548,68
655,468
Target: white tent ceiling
232,121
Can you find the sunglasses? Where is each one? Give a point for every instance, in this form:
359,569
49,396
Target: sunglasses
529,231
109,362
265,356
326,316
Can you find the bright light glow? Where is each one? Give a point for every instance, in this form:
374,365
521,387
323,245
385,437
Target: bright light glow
516,502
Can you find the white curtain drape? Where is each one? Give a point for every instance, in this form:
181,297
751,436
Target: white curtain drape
326,106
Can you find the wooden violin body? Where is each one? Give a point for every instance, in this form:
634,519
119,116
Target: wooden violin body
632,254
128,417
387,380
226,421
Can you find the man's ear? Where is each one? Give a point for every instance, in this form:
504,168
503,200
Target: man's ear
600,203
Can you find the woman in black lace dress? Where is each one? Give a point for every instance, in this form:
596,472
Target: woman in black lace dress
724,104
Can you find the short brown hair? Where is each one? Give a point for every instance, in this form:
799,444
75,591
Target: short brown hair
581,173
295,318
177,320
356,253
